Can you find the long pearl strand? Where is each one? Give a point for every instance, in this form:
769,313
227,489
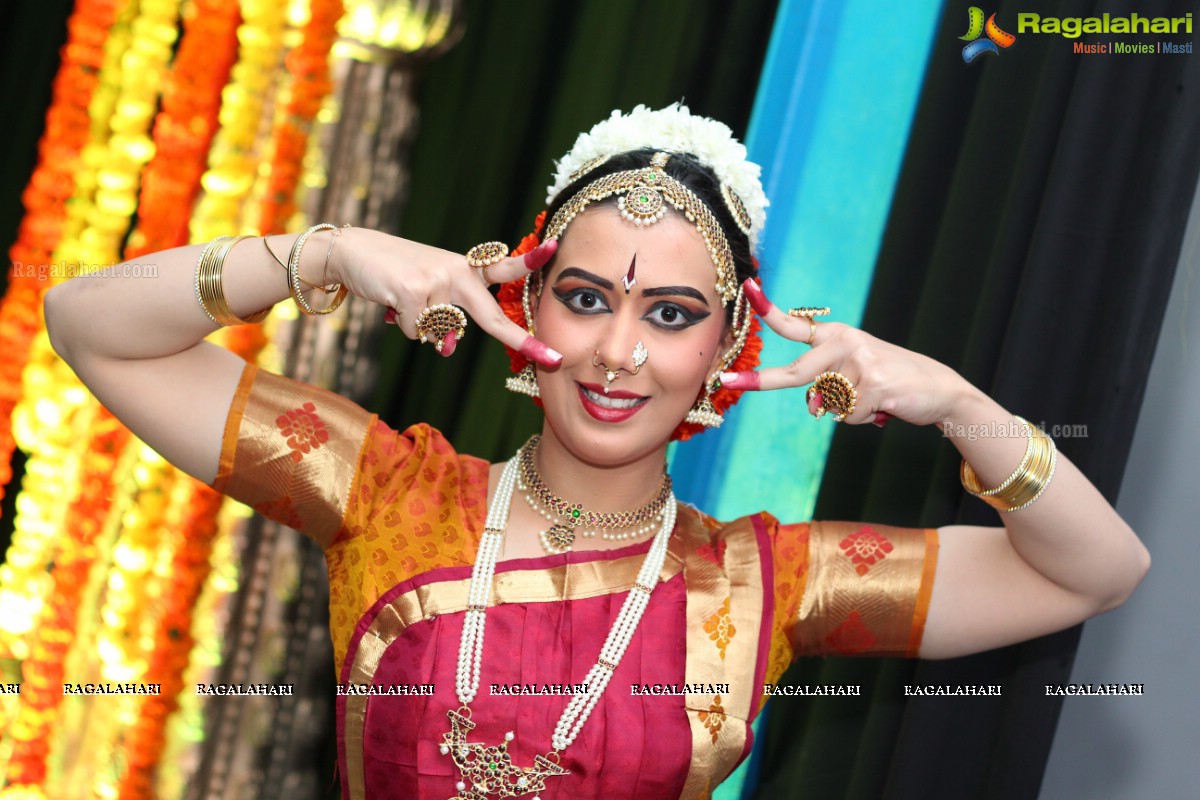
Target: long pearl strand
470,652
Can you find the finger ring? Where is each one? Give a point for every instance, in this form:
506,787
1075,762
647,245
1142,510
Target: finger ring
439,320
486,254
808,312
838,395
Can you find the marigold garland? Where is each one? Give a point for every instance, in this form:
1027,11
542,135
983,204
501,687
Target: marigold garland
51,185
509,297
308,66
184,128
234,158
191,522
41,689
136,54
98,152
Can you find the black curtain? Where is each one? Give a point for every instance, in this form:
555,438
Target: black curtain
1031,245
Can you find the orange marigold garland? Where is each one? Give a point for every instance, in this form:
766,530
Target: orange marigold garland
308,66
192,527
184,128
43,670
509,297
45,199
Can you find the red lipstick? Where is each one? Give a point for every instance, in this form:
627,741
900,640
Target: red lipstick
605,413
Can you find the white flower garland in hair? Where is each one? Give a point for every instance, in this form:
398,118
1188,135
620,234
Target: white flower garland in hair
673,129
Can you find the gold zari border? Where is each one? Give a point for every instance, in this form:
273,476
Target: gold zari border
868,590
735,597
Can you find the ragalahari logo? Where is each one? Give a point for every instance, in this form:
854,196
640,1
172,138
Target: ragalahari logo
976,27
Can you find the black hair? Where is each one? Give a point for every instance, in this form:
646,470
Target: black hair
688,170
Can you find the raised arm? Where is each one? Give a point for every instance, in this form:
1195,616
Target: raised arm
138,342
1061,559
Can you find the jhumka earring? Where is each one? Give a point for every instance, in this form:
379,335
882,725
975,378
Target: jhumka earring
525,381
704,412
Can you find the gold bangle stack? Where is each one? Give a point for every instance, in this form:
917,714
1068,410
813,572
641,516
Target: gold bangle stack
209,291
294,272
1026,483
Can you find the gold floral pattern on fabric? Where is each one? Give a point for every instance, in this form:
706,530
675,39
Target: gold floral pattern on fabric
713,717
291,452
865,547
720,629
867,590
731,590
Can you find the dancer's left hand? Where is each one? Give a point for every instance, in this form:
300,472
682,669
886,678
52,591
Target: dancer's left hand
890,381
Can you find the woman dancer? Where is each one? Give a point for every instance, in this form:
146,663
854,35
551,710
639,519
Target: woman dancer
569,614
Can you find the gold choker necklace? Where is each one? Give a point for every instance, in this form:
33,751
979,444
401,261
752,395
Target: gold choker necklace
567,517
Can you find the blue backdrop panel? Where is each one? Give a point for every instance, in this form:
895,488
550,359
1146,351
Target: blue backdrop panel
831,120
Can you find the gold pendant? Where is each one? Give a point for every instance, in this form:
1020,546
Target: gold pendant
487,770
561,536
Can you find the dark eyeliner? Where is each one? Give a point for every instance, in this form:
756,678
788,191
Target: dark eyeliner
690,317
565,297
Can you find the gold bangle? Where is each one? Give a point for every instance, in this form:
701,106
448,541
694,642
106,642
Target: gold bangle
209,290
1028,481
279,261
970,480
294,273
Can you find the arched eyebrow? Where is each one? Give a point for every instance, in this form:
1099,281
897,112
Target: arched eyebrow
576,272
678,291
658,291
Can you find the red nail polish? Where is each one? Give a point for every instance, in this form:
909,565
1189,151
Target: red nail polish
449,342
539,352
758,300
814,403
389,316
742,381
538,256
881,419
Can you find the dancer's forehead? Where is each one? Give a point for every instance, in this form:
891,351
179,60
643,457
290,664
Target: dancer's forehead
670,253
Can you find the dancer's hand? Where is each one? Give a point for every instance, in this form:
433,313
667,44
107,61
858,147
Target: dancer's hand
889,380
406,277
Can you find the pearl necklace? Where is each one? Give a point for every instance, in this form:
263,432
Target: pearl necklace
487,770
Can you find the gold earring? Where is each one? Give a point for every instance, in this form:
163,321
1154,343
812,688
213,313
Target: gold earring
524,382
703,412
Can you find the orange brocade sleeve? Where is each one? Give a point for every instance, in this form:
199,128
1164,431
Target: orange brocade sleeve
850,589
291,452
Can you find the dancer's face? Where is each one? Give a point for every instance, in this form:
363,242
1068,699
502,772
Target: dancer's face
586,314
